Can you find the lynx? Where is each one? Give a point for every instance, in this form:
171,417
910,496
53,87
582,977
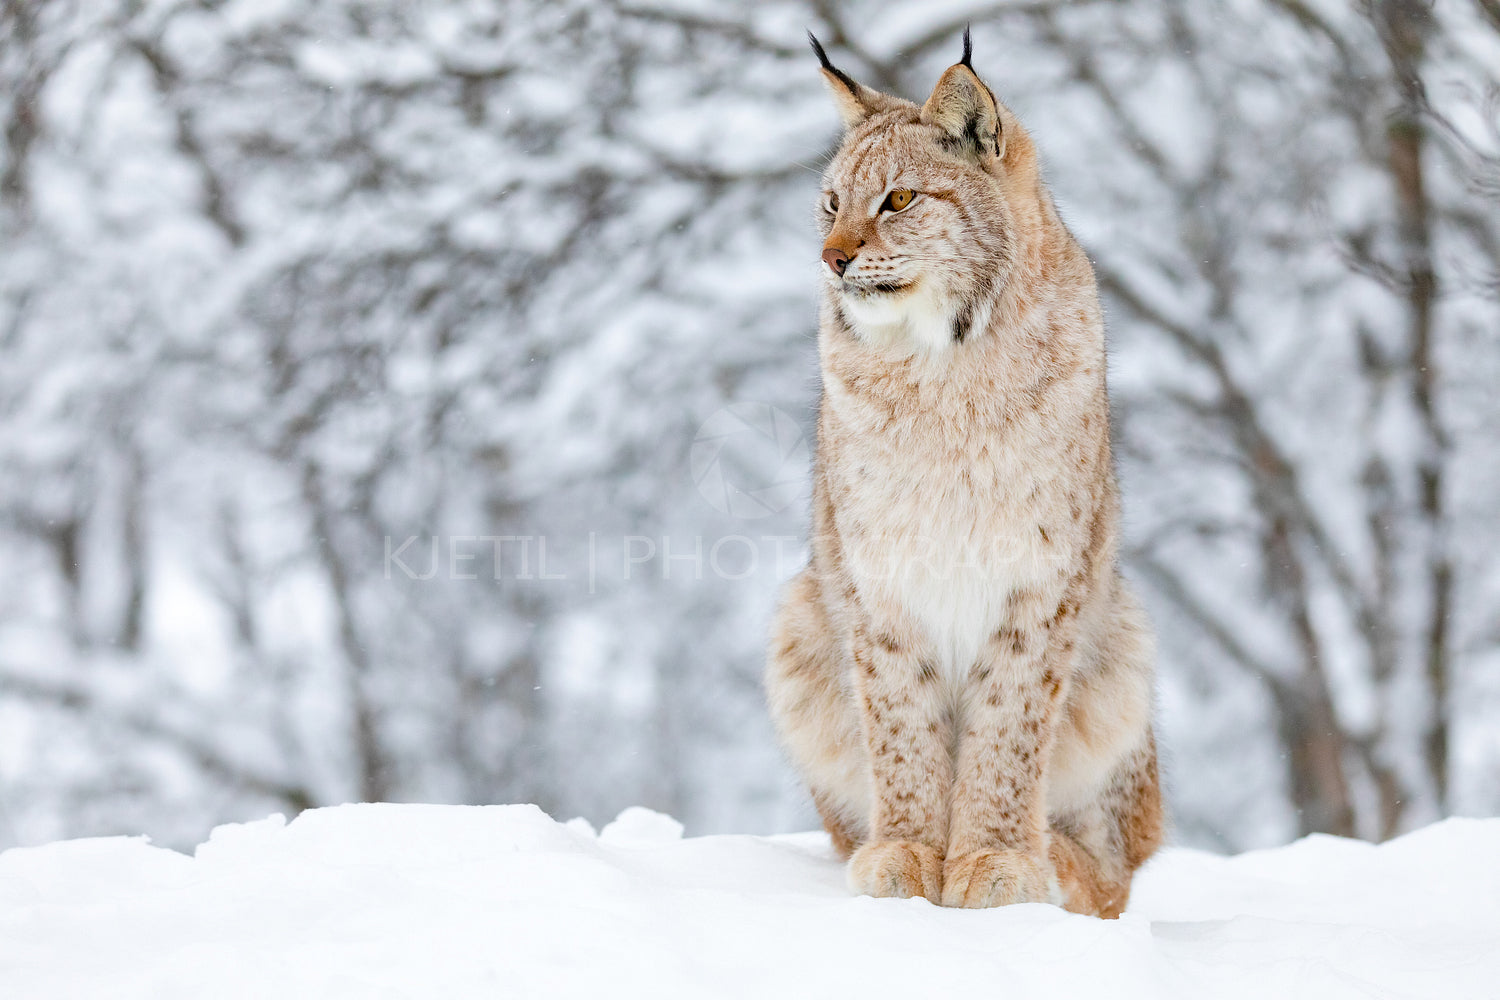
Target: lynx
960,673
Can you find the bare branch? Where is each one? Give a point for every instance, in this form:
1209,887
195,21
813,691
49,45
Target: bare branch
151,725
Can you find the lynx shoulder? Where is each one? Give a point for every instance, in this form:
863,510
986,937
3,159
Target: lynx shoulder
960,673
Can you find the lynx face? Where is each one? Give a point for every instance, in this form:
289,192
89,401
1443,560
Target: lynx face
913,214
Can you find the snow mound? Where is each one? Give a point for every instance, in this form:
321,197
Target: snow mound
502,901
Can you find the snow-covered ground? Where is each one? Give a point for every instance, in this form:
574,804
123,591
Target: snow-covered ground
456,902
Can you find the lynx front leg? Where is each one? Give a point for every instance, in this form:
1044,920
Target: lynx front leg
998,843
906,729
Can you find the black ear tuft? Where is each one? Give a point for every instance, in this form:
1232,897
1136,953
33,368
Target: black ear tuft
968,49
818,48
843,77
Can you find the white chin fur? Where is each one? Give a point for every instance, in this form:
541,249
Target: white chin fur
916,321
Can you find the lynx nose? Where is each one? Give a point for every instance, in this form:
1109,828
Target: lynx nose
836,259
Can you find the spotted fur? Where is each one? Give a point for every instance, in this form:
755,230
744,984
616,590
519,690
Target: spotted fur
960,673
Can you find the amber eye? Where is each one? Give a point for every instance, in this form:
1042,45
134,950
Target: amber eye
898,199
831,203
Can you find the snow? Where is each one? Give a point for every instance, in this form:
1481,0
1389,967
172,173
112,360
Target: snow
502,901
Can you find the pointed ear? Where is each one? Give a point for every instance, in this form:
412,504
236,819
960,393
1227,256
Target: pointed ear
966,110
855,101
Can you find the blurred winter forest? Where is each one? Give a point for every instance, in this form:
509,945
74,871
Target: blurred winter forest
407,401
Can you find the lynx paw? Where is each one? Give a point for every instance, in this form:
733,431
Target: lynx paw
902,868
997,878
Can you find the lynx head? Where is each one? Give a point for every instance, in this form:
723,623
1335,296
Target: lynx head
917,213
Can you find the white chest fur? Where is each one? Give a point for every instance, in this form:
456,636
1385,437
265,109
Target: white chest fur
943,532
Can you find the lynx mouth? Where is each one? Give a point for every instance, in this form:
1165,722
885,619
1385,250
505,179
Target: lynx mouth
878,287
